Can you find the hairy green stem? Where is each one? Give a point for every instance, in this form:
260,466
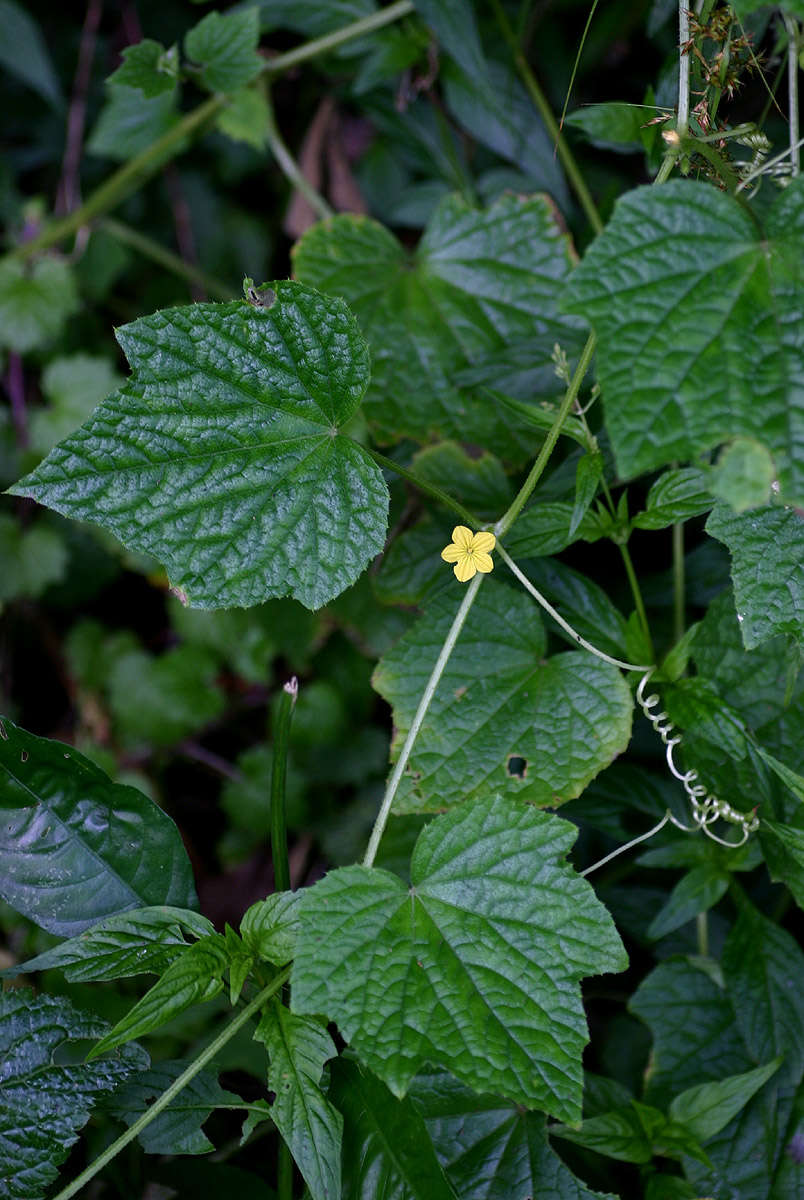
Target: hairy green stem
576,179
570,396
290,168
149,248
565,625
636,593
279,833
424,485
206,1055
683,119
791,25
702,929
145,164
421,712
679,583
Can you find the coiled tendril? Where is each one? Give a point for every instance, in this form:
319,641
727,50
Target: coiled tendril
706,807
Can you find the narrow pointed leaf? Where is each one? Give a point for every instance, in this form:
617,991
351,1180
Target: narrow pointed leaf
708,1108
475,967
297,1049
75,847
221,455
504,718
700,321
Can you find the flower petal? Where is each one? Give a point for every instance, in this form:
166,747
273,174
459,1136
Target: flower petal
462,537
483,562
464,568
452,553
484,542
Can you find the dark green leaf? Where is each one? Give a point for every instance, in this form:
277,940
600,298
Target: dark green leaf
32,558
785,856
473,966
614,126
225,47
270,927
700,889
587,479
192,978
35,302
312,1128
545,529
695,1037
767,569
581,602
45,1104
619,1134
480,283
246,118
73,384
24,52
177,1129
763,968
160,700
221,455
130,122
387,1154
700,321
706,1109
676,495
499,700
148,67
76,847
490,1149
133,943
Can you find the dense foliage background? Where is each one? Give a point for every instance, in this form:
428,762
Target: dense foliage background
417,125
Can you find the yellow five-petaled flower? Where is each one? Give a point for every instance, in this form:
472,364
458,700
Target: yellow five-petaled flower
470,552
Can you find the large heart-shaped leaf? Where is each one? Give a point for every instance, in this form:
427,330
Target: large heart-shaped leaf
475,967
75,847
221,456
700,320
481,285
504,718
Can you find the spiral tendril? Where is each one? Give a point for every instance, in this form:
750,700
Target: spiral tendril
706,807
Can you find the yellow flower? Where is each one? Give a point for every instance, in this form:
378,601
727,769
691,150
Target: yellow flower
470,552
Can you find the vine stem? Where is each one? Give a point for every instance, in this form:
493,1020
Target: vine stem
643,837
683,119
565,625
177,1086
418,720
148,161
679,582
424,485
636,593
570,396
290,168
791,24
577,181
279,832
149,248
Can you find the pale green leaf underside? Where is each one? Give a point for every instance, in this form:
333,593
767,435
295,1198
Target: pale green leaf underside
481,284
500,701
700,324
767,569
221,455
475,967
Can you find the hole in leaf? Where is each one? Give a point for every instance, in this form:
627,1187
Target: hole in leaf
517,766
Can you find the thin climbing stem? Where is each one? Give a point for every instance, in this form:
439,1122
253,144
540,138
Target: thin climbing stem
636,593
565,625
149,248
683,119
418,719
576,179
279,832
178,1085
290,168
643,837
792,27
702,930
679,582
424,485
331,41
570,396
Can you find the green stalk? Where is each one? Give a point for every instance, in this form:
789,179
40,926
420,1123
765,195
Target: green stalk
145,164
683,119
538,97
279,833
148,248
424,485
214,1047
421,713
290,168
679,583
570,396
791,25
702,929
636,593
